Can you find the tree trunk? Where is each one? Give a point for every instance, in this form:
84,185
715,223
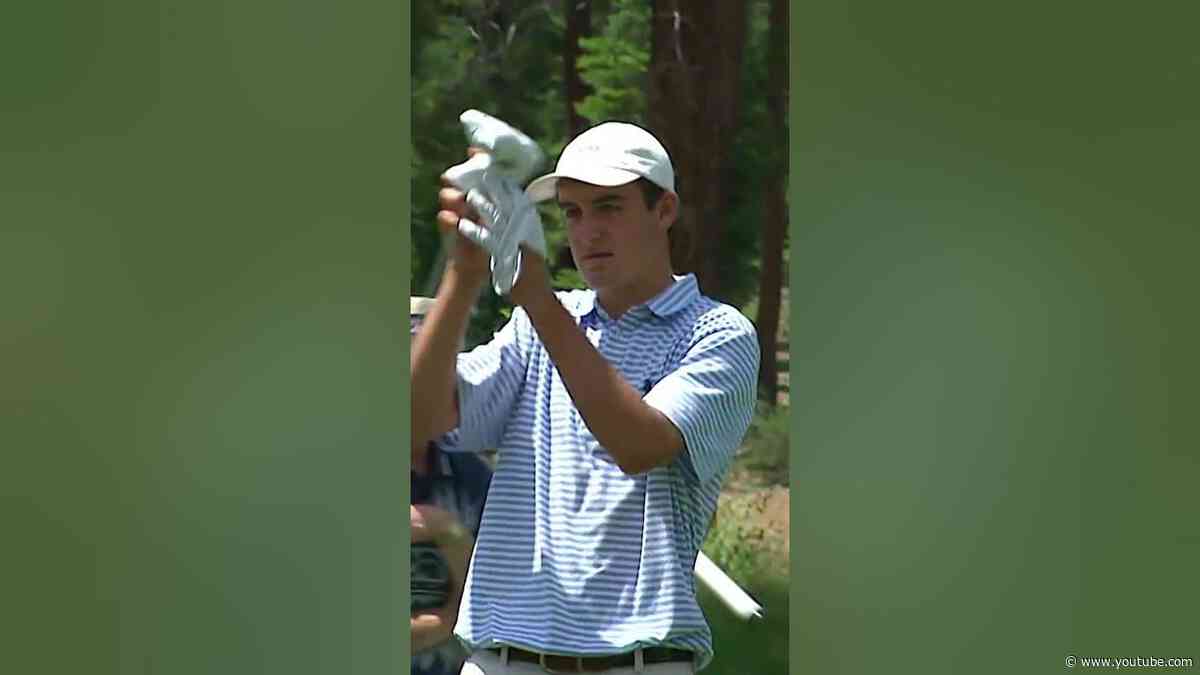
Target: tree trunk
775,221
578,25
578,15
693,90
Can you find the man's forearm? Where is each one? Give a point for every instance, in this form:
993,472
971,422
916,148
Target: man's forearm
434,354
637,435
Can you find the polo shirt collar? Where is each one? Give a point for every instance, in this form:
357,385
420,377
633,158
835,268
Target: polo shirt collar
681,293
678,295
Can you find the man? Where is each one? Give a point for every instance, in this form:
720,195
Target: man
448,492
616,411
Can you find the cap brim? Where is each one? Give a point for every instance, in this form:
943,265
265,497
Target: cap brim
546,187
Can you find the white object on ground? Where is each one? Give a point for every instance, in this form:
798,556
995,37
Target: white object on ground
492,182
736,599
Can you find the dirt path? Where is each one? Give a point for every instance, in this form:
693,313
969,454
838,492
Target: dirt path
764,515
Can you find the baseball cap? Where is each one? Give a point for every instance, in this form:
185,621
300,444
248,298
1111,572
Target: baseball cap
609,154
417,308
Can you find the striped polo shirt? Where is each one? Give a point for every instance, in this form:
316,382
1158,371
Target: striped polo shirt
574,556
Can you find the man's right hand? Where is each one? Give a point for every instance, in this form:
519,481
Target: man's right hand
468,258
434,348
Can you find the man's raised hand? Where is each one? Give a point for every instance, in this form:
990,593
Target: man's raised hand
494,212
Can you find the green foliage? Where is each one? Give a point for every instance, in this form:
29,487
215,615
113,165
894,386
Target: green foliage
568,278
495,57
506,59
613,64
751,556
766,449
761,646
737,540
735,543
746,541
757,154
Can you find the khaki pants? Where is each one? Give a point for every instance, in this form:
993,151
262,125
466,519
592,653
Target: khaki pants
485,662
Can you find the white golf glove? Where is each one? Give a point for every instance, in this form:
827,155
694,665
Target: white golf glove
491,181
511,221
510,153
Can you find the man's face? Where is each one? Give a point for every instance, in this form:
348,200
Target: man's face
615,239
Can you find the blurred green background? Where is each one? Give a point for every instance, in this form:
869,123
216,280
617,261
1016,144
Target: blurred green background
994,335
202,275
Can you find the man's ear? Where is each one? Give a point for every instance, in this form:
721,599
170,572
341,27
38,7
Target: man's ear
667,210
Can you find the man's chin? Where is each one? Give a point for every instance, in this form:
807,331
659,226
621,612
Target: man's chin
598,282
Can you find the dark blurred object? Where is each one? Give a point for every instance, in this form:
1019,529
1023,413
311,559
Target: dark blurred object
430,576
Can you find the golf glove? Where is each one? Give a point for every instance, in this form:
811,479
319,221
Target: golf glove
491,181
511,221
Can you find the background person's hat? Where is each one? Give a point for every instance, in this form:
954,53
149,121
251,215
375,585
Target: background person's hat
608,154
417,308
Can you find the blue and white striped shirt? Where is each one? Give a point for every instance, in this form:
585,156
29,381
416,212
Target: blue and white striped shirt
574,556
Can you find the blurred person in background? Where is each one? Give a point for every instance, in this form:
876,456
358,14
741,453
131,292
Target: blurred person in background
448,493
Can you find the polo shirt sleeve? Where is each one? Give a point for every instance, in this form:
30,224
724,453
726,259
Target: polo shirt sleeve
490,378
710,396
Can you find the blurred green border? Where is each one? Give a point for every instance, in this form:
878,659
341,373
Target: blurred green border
404,132
796,65
993,344
203,403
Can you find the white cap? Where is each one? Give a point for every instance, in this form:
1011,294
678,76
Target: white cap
608,154
419,306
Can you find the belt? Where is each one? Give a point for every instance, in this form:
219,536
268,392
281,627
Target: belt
592,664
